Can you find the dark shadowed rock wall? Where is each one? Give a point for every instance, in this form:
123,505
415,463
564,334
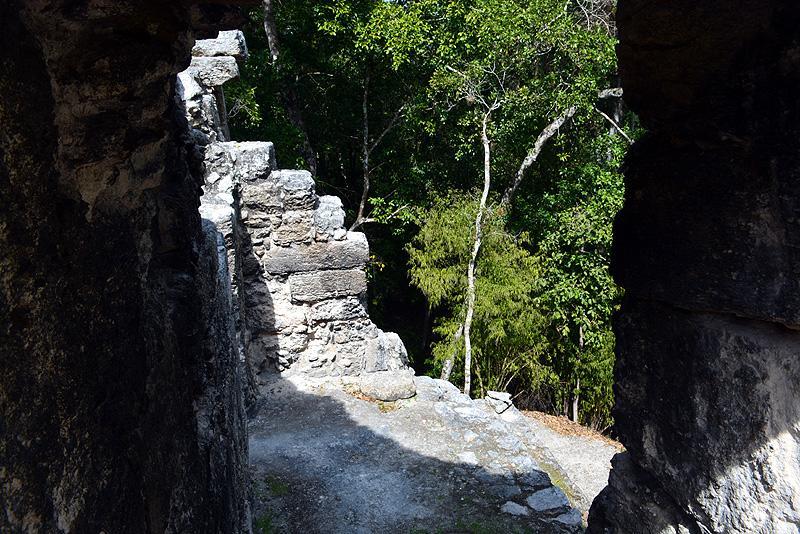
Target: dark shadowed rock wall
707,247
120,401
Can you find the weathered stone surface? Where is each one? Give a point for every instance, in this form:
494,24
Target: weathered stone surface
386,352
551,500
323,285
227,43
338,310
706,249
335,451
329,216
723,438
118,372
297,189
388,385
499,401
254,160
510,507
214,71
296,227
350,253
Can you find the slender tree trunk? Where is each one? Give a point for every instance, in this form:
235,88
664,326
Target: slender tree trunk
365,153
476,247
577,394
289,98
576,400
271,30
447,368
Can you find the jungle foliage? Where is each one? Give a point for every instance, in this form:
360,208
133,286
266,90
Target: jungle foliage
395,91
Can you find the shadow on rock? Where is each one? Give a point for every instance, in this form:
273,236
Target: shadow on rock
325,461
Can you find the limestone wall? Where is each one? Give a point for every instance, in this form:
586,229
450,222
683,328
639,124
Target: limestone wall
706,247
120,397
299,276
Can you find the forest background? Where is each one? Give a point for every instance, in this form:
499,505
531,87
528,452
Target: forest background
478,144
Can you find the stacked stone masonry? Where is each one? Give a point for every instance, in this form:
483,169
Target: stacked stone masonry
299,277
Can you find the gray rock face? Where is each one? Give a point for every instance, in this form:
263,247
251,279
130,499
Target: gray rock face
510,507
499,401
118,373
706,391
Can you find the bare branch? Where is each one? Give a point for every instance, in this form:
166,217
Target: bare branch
392,123
533,154
549,131
616,126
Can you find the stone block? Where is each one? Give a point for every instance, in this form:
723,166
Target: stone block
297,188
296,227
352,252
213,71
254,160
338,310
228,43
550,500
388,385
386,352
329,216
323,285
259,199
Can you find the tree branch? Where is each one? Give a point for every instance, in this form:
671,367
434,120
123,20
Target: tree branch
616,126
364,155
544,136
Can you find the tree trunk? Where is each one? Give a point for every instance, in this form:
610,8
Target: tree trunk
577,394
288,96
365,152
487,181
271,30
575,400
447,368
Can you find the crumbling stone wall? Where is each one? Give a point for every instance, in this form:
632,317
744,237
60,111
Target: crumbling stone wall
120,398
299,276
706,246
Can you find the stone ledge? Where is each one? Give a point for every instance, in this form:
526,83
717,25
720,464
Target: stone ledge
324,285
350,253
228,43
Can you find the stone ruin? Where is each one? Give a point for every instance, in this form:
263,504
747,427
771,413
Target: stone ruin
120,404
298,276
